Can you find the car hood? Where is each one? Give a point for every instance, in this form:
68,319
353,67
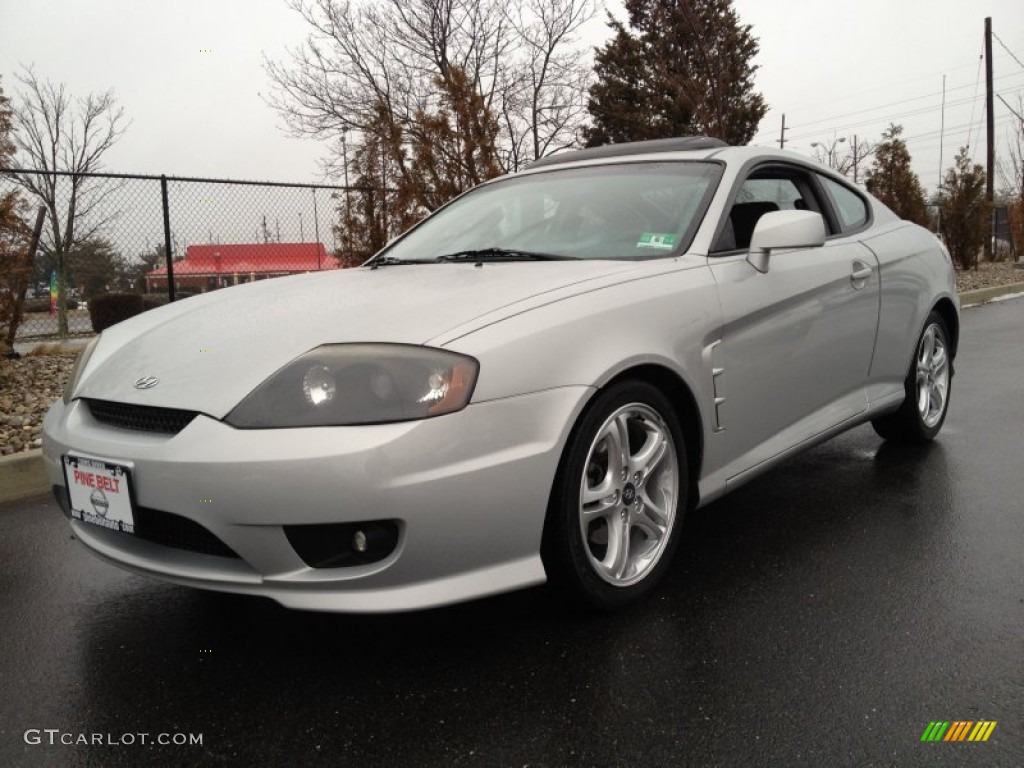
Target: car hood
208,352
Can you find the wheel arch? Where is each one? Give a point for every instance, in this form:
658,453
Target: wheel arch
947,311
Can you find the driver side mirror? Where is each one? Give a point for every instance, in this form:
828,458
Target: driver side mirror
784,229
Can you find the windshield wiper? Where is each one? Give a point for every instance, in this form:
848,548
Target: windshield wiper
480,255
391,261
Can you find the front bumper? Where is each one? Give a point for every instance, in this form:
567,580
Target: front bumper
469,491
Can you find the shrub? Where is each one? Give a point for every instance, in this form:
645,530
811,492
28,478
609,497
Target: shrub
109,308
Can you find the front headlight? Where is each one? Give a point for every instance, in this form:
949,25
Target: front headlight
76,371
346,384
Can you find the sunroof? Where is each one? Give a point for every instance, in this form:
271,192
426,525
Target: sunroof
632,148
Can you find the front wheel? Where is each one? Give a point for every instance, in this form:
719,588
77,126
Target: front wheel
616,507
927,388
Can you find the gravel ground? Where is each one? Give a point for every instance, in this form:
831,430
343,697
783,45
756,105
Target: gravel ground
988,275
30,384
27,387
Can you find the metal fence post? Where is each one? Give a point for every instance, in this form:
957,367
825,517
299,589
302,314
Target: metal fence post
316,229
167,238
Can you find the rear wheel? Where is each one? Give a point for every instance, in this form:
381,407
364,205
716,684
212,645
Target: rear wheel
616,507
927,388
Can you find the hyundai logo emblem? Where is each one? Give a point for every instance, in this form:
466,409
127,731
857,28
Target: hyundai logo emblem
146,382
629,494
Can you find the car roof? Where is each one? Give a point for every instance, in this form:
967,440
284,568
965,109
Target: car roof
683,143
684,148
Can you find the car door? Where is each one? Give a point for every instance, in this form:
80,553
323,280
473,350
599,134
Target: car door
796,341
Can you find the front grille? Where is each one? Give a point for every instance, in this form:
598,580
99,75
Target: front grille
178,532
143,418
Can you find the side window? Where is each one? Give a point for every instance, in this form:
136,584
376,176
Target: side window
782,193
765,190
851,208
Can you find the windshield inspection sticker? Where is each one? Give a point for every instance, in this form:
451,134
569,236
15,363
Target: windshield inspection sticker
656,240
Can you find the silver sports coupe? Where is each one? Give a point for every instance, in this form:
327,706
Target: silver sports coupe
534,383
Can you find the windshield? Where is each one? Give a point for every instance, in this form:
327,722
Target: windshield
621,211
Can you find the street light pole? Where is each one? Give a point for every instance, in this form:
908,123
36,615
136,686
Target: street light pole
830,152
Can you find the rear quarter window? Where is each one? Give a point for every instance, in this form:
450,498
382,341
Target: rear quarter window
851,208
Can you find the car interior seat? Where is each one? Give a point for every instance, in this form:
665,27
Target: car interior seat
743,218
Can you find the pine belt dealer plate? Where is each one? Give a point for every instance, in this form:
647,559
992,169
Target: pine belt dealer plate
100,492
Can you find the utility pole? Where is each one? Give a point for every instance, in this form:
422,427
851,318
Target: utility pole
942,132
782,134
855,158
990,137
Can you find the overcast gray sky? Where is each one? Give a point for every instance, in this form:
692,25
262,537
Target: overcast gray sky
834,67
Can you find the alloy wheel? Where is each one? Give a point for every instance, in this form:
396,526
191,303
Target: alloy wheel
629,494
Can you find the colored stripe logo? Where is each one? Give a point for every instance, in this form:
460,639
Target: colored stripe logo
958,730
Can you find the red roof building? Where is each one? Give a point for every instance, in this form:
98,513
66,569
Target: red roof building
207,267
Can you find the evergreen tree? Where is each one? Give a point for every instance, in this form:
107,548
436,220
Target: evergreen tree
683,67
402,173
892,180
372,205
965,212
455,147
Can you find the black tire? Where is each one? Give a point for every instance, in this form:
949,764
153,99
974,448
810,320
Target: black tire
909,424
573,560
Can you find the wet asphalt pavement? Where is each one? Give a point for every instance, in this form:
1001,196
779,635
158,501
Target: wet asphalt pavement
821,616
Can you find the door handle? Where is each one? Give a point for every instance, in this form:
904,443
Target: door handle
861,272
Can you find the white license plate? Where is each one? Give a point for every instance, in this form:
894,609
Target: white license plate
100,493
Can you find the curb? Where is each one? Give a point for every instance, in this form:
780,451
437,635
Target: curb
983,295
22,476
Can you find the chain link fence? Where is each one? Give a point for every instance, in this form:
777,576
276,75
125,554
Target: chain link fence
162,236
1004,245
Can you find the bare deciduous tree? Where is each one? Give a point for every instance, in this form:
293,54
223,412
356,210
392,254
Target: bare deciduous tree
1011,164
1011,176
545,101
54,132
439,95
520,56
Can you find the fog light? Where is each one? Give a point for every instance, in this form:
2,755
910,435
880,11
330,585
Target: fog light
359,541
341,545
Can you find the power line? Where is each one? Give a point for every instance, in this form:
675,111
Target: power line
954,131
881,106
765,135
895,117
1012,56
1007,104
890,86
975,96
